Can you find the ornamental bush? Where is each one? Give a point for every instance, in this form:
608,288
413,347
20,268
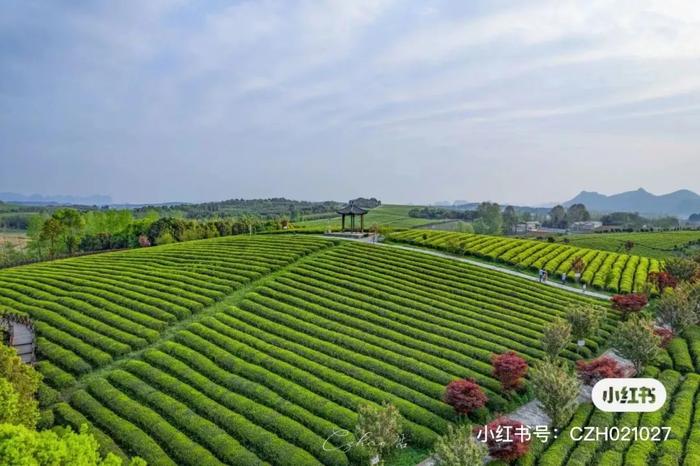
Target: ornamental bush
505,438
676,309
629,303
464,396
380,428
557,389
509,369
662,280
635,340
555,336
585,320
665,334
603,367
458,447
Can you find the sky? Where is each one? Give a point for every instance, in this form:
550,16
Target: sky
408,101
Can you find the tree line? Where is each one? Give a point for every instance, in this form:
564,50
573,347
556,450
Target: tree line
68,232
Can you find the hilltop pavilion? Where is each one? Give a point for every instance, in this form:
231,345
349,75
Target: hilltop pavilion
353,210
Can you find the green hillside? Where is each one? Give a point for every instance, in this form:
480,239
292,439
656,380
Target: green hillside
254,350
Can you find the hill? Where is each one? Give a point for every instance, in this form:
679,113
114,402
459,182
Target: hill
254,350
39,200
679,203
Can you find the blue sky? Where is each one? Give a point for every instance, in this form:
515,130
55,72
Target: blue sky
520,102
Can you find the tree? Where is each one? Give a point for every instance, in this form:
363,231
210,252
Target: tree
380,428
511,444
585,321
557,217
510,220
628,245
489,219
24,380
577,213
465,396
557,389
685,270
21,445
458,447
676,309
555,336
635,340
597,369
51,230
509,369
629,303
73,224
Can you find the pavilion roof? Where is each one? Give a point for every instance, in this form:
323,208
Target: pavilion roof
352,209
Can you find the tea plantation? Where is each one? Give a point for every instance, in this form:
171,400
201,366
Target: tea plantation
255,350
606,270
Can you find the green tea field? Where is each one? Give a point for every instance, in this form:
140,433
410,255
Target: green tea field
605,270
657,245
255,350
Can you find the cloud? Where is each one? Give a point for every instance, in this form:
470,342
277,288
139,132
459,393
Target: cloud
245,93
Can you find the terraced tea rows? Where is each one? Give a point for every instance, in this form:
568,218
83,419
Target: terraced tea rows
271,377
651,244
604,270
681,413
91,310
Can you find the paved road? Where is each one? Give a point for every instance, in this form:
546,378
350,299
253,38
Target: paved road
525,276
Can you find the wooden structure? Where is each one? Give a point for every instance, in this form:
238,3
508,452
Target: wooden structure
19,334
353,210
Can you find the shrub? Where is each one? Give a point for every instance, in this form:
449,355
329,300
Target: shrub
629,303
509,369
665,334
464,396
676,309
684,270
635,340
662,280
585,321
678,349
458,447
557,390
506,439
603,367
555,336
381,427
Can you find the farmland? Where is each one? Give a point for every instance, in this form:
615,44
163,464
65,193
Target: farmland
15,238
605,270
254,350
657,245
386,216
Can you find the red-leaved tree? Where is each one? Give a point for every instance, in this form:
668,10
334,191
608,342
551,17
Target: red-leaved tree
629,303
506,439
666,335
603,367
464,395
509,369
662,280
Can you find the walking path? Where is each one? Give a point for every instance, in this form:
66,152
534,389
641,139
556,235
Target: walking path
497,268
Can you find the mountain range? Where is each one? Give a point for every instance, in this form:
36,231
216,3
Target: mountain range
38,199
680,203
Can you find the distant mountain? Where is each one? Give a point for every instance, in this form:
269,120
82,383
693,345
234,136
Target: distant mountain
680,203
38,199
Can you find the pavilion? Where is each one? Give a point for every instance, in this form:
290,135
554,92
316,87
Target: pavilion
352,210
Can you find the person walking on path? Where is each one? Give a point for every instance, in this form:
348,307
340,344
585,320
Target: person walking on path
541,275
563,278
